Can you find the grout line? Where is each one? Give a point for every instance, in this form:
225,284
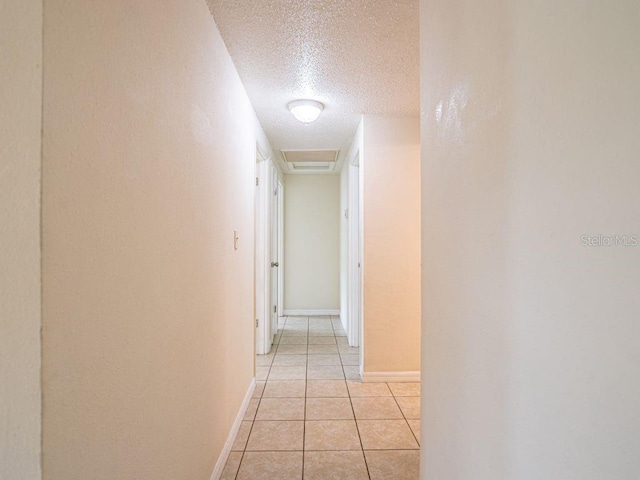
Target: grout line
356,422
403,415
304,423
241,459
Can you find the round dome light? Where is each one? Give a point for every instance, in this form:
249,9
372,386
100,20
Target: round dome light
306,111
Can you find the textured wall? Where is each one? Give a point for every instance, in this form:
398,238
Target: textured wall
312,242
149,157
390,164
20,126
530,141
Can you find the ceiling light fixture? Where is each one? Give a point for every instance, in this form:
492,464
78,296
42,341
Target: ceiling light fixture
306,111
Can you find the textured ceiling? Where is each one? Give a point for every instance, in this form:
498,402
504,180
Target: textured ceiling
355,56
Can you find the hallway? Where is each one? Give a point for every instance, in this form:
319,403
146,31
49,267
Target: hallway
312,418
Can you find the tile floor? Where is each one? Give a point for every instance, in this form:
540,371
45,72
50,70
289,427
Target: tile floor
311,418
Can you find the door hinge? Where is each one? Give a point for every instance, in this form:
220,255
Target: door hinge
275,191
256,323
257,181
275,309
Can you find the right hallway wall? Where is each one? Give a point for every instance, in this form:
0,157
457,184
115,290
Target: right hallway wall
390,192
530,191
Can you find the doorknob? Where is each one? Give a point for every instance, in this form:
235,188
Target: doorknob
274,264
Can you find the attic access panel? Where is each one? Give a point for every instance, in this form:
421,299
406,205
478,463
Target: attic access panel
309,161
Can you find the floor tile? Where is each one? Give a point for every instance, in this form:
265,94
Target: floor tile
324,359
374,408
386,435
321,332
281,409
405,389
329,409
284,388
322,340
294,332
288,373
324,324
331,435
298,326
264,360
300,340
345,465
252,408
276,435
271,466
326,388
351,360
231,467
396,464
292,349
304,403
410,407
323,349
242,437
257,393
347,350
352,372
289,360
358,389
415,428
262,373
324,372
297,321
295,327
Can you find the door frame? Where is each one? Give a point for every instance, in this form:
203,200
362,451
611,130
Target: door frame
275,234
354,255
264,333
281,248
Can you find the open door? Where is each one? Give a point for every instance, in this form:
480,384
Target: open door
264,330
276,241
280,309
354,279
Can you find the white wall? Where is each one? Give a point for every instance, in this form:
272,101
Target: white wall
20,143
530,140
390,171
148,168
312,242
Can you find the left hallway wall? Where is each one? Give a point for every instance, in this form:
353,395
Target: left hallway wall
20,150
148,165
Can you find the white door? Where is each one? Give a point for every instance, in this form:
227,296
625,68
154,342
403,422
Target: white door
280,302
275,252
354,297
264,334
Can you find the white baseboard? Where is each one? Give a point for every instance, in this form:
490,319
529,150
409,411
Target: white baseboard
310,312
226,450
390,377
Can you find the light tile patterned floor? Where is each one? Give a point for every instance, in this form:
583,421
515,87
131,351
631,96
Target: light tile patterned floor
311,418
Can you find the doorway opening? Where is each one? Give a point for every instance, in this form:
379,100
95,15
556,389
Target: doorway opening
268,248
